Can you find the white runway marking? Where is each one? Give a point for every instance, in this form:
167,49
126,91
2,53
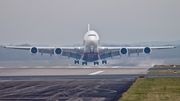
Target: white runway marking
114,66
94,73
2,67
23,67
55,66
39,67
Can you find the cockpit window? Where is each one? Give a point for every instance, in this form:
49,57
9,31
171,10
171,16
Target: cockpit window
91,35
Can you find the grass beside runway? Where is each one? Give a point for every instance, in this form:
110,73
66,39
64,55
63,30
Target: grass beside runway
154,89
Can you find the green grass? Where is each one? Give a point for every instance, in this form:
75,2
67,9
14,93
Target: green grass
154,89
163,72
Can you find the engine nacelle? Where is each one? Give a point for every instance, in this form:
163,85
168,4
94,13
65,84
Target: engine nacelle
147,50
33,50
123,51
58,51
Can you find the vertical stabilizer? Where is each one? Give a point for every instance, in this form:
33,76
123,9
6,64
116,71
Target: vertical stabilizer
88,27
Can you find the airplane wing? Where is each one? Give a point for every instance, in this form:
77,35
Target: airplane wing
106,52
73,52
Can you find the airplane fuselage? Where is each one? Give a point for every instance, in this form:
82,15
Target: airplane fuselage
91,43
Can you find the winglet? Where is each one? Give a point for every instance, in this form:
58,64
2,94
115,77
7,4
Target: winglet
88,27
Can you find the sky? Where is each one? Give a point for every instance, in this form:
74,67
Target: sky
64,22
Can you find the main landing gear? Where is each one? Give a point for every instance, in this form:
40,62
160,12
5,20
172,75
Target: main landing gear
96,63
104,61
76,61
84,63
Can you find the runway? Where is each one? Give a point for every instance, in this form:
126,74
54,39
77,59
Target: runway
65,83
68,83
71,70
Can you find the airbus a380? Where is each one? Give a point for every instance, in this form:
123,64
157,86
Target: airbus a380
91,51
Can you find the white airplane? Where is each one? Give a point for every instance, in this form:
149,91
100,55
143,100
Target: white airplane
91,51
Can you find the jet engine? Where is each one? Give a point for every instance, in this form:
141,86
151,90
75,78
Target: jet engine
147,50
58,51
123,51
33,50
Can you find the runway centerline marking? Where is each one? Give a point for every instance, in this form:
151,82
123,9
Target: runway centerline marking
94,73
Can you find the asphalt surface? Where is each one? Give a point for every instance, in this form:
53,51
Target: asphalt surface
68,83
64,90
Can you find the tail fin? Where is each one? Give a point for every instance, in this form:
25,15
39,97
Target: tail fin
88,27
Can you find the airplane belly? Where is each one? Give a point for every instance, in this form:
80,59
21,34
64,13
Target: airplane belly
91,45
90,57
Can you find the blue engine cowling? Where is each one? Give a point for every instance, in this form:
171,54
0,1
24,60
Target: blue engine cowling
58,51
33,50
147,50
123,51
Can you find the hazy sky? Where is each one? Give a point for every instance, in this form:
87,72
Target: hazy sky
64,22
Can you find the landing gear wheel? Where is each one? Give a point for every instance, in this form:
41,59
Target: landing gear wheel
96,63
104,61
84,63
76,61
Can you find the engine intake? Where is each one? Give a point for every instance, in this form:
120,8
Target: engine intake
147,50
58,51
34,50
123,51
